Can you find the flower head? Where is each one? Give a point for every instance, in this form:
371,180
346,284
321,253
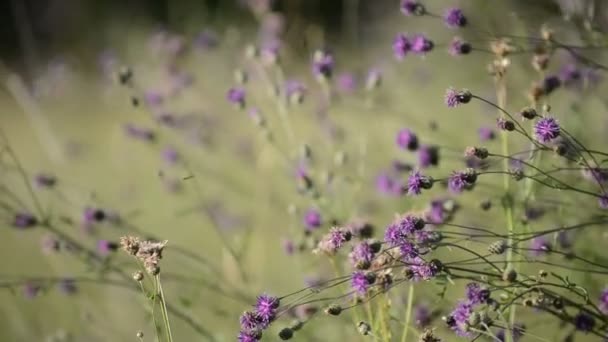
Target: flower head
407,140
322,64
416,182
334,240
43,180
236,96
476,294
401,46
362,255
546,129
454,18
412,7
461,180
312,219
486,134
24,220
460,317
421,44
459,47
265,308
106,247
361,281
428,156
539,246
453,98
584,322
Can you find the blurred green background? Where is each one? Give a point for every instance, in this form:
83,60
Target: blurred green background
64,115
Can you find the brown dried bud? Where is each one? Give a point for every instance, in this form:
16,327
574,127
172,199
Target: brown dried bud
138,276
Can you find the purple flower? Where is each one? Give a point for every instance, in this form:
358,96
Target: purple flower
43,180
170,155
407,140
153,98
91,215
265,308
461,180
249,336
428,156
30,290
435,213
312,219
518,333
295,91
401,46
411,7
550,83
361,282
24,220
139,133
460,317
423,270
416,182
408,250
454,18
603,201
334,240
289,247
569,74
421,44
477,294
361,256
459,47
346,83
454,98
398,231
546,129
422,315
236,96
539,246
486,134
249,320
67,286
322,65
505,125
105,247
584,322
603,305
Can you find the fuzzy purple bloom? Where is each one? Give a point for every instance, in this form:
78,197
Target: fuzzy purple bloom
67,286
416,182
249,336
411,7
486,134
24,220
387,185
546,129
539,246
266,307
435,213
236,96
603,201
43,180
584,322
459,47
322,65
249,320
312,219
603,304
408,250
421,44
360,282
550,84
401,46
460,317
407,140
362,255
428,156
476,294
454,18
139,133
422,269
452,98
461,180
105,247
422,315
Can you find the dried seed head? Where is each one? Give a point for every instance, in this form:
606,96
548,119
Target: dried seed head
364,328
497,247
130,244
428,336
528,113
138,276
286,334
140,334
540,62
517,174
333,309
509,275
478,152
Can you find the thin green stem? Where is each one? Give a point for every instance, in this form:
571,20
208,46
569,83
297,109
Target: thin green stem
408,311
163,307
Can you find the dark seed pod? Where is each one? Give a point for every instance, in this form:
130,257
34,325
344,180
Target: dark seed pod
286,334
333,309
497,247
